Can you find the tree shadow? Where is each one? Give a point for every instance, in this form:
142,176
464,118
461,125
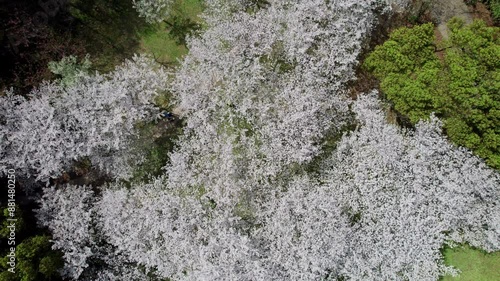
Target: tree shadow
180,27
109,28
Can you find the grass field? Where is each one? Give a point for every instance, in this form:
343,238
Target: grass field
475,265
113,31
157,40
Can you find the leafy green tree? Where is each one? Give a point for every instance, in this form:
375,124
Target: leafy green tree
462,87
19,223
35,259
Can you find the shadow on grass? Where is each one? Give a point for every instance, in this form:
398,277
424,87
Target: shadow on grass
110,28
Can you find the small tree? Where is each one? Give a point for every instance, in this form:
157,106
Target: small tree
153,10
69,69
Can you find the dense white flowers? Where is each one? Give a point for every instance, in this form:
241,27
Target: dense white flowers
384,204
259,92
94,117
67,213
407,194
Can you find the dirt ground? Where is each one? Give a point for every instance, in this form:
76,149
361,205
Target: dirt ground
443,10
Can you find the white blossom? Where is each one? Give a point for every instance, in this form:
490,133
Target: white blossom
67,213
259,92
408,193
95,117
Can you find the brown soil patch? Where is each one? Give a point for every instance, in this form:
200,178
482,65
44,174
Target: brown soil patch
480,11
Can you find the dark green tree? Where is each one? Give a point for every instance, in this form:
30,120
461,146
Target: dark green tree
35,259
462,87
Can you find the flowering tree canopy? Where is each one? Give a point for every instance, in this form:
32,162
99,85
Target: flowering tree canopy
260,91
94,117
384,204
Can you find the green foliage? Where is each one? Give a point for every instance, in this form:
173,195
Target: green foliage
463,88
19,223
7,276
409,71
156,142
493,5
181,27
35,260
406,50
495,9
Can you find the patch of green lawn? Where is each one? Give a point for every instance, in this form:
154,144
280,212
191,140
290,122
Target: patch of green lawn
189,8
113,31
475,265
158,41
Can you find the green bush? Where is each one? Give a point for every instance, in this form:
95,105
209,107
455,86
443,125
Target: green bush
35,259
69,69
495,9
462,88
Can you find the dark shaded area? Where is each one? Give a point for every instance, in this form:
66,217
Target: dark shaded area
32,33
157,140
253,6
180,27
109,28
35,32
35,260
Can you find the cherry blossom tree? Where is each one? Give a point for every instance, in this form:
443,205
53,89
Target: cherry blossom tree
94,117
387,200
407,194
259,91
67,213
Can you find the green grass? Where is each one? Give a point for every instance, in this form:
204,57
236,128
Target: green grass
476,265
112,31
189,8
157,40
